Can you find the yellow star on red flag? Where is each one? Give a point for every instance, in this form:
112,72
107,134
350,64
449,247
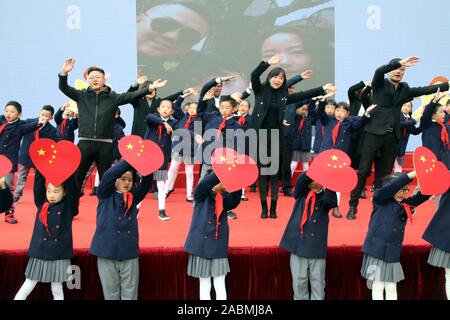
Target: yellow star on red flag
41,152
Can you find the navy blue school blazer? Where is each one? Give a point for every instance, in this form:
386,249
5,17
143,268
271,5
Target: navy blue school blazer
201,240
57,243
437,233
406,129
384,238
116,234
303,138
313,242
69,130
47,131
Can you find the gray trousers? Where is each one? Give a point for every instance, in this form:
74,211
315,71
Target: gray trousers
304,269
21,179
120,279
9,179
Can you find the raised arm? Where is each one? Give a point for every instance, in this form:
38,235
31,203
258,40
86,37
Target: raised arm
302,95
59,116
366,98
40,190
107,184
154,119
302,186
321,114
70,187
69,91
352,96
205,186
141,191
387,192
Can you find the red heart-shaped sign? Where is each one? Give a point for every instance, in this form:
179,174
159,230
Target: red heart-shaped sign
234,170
143,155
5,166
331,168
55,161
432,174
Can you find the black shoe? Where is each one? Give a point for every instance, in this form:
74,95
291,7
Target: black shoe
244,198
264,213
351,214
252,188
163,216
273,209
231,215
336,213
169,192
288,193
363,194
93,192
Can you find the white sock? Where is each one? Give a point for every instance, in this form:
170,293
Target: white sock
97,179
243,192
293,167
397,166
305,166
161,194
447,283
189,170
377,290
338,195
57,291
219,287
25,290
172,174
205,288
391,290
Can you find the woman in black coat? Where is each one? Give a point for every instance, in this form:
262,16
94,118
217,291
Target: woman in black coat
271,98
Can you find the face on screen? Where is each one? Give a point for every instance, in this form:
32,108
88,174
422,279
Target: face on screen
295,57
169,30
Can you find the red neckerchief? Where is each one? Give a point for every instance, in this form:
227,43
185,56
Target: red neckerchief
404,130
63,125
219,209
43,215
407,208
127,201
221,127
242,121
300,125
188,122
323,130
3,126
310,199
160,129
444,133
36,134
335,132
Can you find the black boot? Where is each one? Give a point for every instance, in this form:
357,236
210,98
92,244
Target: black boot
253,188
336,213
273,209
264,214
351,214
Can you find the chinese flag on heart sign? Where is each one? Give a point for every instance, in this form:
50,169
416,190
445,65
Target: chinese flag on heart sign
432,174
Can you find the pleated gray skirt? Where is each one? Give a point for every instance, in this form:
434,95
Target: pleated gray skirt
203,268
160,175
47,270
378,270
301,156
439,258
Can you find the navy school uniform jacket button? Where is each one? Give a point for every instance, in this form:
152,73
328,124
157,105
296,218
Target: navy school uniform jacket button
56,240
58,213
57,226
315,221
120,218
206,237
129,218
129,232
118,231
44,239
209,222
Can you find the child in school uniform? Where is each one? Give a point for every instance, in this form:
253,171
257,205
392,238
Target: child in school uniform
306,237
51,246
6,197
25,163
304,118
66,123
119,126
207,240
383,243
116,238
183,145
338,129
159,129
12,129
437,233
407,127
243,118
330,107
435,132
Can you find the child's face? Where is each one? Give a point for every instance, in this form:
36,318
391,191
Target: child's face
11,113
315,187
329,109
55,194
46,115
401,194
439,115
192,109
303,110
68,113
165,108
125,182
244,106
291,90
340,113
226,109
406,108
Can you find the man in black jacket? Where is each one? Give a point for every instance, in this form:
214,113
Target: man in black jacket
382,133
97,106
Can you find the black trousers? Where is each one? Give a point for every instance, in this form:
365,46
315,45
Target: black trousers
374,145
286,158
263,180
100,152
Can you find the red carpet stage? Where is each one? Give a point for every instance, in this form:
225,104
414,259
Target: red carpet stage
259,269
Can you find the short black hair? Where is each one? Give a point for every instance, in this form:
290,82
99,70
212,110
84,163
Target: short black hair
49,108
15,104
395,60
94,68
389,178
118,111
343,105
228,98
333,102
